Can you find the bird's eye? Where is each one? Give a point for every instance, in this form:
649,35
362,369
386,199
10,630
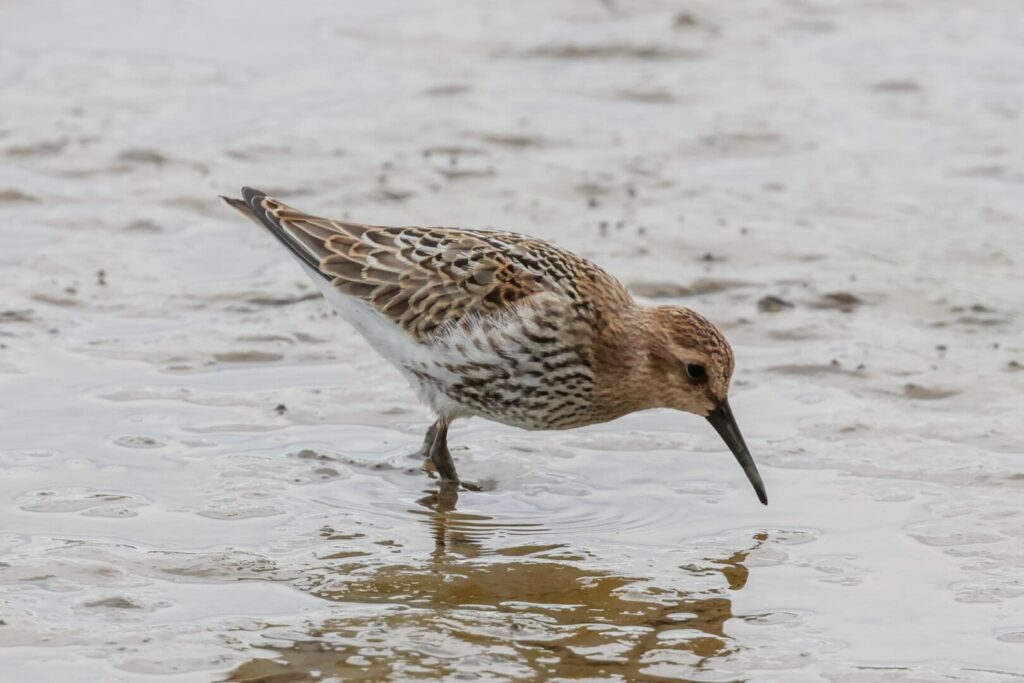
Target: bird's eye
696,372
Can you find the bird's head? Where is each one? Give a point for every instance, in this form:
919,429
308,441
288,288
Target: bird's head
693,364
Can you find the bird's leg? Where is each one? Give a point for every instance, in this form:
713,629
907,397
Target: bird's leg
428,441
435,447
439,454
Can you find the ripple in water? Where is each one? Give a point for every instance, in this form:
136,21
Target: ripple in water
594,513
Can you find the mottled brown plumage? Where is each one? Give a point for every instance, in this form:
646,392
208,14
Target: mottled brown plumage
424,278
508,327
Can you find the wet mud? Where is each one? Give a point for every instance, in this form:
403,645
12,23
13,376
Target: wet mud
205,475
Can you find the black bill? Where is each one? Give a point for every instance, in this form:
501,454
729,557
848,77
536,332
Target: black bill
722,420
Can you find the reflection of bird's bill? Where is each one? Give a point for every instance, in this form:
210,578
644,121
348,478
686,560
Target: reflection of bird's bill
721,418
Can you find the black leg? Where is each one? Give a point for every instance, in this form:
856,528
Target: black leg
439,454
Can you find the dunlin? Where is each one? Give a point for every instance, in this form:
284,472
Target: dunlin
508,327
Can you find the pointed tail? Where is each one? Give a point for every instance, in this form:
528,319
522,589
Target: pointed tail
264,210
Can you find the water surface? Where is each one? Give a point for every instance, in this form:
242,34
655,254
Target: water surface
205,476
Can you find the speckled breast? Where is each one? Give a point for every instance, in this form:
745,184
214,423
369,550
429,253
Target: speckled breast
529,368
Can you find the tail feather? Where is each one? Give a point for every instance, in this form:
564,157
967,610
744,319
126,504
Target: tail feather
252,206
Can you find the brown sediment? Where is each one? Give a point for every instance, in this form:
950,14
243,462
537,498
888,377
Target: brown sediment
15,196
671,290
814,369
916,391
247,357
841,301
601,51
772,304
265,300
514,139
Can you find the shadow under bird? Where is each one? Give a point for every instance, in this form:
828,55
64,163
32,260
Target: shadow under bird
508,327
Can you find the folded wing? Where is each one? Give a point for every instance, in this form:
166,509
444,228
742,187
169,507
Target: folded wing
419,278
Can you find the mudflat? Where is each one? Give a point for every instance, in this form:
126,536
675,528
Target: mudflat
204,473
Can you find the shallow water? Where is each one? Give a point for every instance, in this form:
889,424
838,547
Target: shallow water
204,475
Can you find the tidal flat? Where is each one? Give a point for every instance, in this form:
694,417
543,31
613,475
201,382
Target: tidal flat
205,474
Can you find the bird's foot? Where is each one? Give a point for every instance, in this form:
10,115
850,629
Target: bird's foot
455,484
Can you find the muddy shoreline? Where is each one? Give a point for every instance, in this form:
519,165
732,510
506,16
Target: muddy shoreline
204,473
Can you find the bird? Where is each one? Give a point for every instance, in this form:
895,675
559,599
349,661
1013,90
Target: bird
508,327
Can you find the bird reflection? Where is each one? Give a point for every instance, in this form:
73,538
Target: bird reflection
441,503
544,608
461,533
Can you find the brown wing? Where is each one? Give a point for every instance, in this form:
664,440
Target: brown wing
420,278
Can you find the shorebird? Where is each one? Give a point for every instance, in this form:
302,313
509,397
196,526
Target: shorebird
509,328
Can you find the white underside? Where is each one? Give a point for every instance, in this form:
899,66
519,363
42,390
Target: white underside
426,364
397,347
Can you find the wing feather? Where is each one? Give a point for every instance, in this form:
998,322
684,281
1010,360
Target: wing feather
425,278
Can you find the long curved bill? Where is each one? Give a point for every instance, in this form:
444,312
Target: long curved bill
722,420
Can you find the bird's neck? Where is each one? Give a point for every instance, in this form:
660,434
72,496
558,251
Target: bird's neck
626,363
